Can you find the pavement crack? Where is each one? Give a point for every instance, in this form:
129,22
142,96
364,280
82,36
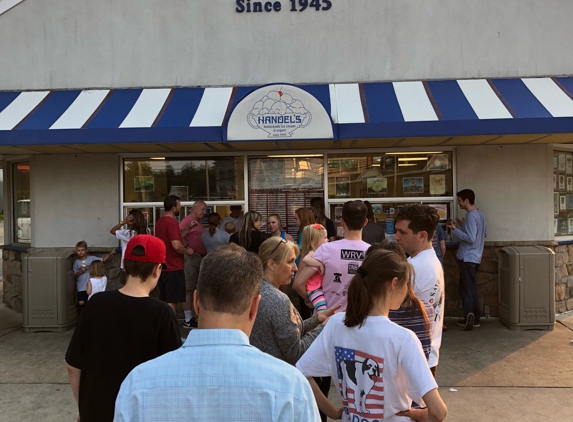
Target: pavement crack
566,326
10,332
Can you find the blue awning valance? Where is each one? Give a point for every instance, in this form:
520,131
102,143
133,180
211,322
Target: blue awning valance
369,110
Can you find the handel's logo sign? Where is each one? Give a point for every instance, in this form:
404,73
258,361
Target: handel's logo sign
279,114
279,111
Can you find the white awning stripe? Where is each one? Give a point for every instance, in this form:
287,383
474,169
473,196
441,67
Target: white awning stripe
333,103
348,104
212,108
483,99
146,108
81,109
551,96
6,5
18,109
414,102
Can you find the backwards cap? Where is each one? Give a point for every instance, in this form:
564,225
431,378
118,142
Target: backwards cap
154,249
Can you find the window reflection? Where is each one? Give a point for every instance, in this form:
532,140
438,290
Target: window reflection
390,175
21,190
147,180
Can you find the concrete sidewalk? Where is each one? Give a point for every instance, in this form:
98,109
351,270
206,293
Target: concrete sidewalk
499,375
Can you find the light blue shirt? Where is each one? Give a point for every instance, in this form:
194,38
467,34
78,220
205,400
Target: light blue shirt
211,243
216,376
471,237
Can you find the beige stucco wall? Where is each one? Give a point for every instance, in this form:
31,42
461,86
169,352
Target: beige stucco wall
75,197
151,43
513,186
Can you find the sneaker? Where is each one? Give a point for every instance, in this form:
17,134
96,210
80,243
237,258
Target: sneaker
476,325
469,322
461,322
192,323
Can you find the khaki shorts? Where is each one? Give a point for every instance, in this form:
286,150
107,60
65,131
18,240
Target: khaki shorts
192,265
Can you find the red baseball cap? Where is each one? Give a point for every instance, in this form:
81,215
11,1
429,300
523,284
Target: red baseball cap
153,247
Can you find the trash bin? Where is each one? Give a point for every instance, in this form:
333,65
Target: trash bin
527,287
49,290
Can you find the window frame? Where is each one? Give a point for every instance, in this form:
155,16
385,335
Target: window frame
556,148
326,153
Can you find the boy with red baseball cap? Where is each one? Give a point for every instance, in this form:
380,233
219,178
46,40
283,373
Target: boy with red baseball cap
120,329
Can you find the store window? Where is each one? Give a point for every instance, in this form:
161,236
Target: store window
562,193
147,181
282,184
21,199
389,181
151,180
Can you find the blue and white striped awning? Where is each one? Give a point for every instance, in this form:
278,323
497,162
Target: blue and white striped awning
369,110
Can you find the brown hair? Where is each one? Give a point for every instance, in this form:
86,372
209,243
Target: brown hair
421,217
306,218
317,205
214,220
139,223
354,214
467,194
97,269
229,279
82,244
369,212
371,282
248,225
411,299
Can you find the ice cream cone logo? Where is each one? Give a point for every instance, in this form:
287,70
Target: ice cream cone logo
279,114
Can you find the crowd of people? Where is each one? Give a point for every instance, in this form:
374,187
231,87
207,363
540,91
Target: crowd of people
370,320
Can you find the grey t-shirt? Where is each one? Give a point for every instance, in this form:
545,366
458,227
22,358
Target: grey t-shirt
220,237
82,281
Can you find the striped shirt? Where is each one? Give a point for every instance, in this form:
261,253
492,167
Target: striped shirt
412,319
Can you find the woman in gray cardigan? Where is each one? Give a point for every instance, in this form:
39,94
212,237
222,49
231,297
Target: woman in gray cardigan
279,330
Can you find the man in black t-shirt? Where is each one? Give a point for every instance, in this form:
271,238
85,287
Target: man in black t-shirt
120,329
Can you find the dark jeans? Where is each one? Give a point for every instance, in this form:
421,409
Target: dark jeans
468,289
305,311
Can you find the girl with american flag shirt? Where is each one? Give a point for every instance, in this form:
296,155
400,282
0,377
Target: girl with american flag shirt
378,366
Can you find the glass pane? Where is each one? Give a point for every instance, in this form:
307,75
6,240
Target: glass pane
384,214
218,178
562,193
393,175
282,185
21,189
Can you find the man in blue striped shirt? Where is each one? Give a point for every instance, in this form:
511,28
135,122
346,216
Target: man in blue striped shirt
471,236
217,375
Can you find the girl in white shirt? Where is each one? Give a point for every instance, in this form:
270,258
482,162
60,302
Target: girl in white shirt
136,224
98,281
378,367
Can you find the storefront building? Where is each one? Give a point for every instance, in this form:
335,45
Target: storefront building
113,105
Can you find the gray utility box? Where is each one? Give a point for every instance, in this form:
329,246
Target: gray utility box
49,290
527,287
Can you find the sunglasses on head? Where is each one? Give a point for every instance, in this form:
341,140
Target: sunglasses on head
278,244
